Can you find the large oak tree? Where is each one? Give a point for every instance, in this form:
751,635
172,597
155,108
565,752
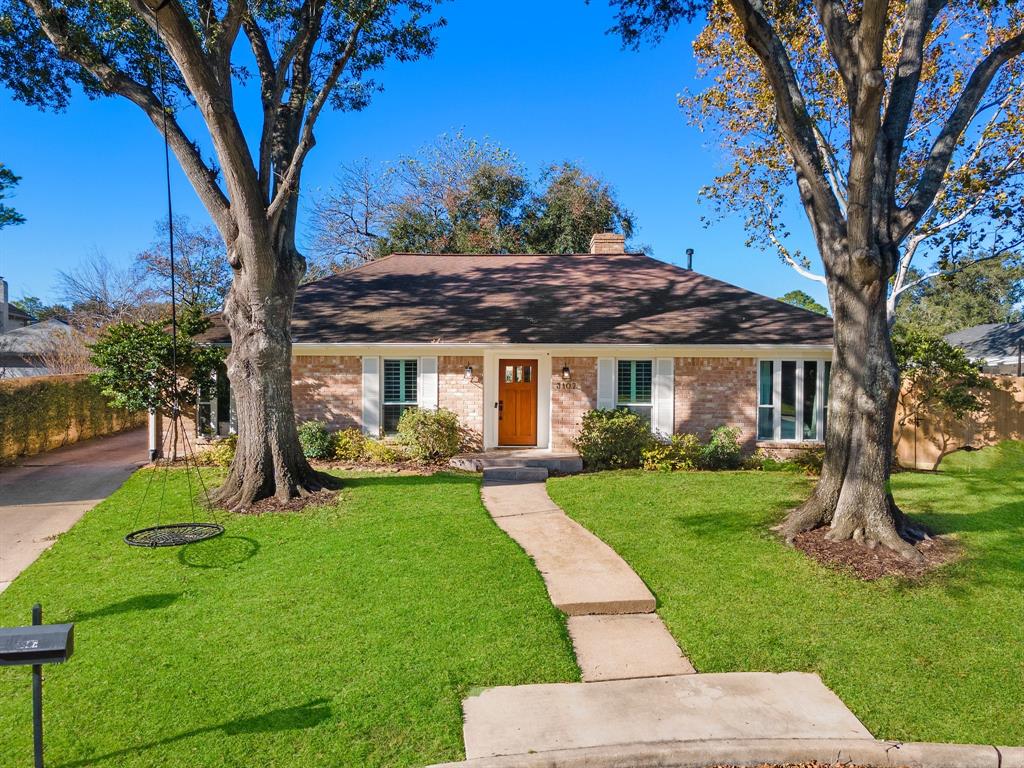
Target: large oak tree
870,176
307,55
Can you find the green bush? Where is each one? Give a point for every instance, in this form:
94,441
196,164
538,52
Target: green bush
316,441
681,453
349,444
613,439
430,435
381,452
723,449
221,453
811,460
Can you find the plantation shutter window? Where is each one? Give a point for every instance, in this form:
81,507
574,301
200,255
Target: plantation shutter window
634,387
371,396
427,395
401,387
605,383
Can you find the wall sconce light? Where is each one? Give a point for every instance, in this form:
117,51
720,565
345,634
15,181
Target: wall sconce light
469,373
566,373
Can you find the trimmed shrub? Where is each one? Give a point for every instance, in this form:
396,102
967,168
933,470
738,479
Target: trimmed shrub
682,452
723,449
41,413
613,439
430,435
381,452
349,444
811,460
221,453
316,441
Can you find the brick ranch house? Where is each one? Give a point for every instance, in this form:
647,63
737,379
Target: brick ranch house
521,346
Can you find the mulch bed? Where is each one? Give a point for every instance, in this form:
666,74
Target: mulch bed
319,499
871,564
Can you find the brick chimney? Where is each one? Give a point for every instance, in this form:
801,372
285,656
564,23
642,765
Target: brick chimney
608,242
4,322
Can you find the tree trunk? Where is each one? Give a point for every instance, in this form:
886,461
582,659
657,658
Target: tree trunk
853,495
268,460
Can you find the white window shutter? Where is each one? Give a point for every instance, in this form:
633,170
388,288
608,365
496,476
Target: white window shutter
426,386
371,396
606,382
663,417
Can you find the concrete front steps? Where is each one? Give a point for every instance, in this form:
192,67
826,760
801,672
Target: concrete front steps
563,462
525,719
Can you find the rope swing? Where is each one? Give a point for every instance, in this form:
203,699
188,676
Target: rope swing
172,534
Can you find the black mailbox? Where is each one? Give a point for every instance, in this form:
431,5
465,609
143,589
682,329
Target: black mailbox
40,644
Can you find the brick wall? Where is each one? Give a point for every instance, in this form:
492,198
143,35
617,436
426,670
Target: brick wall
710,391
464,398
328,388
571,399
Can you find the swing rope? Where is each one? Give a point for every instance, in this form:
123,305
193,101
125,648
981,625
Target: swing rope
172,534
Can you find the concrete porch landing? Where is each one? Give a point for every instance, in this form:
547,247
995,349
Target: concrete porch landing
566,462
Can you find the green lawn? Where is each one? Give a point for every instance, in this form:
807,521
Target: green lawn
341,636
938,660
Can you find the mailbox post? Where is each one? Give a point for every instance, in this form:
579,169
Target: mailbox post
36,645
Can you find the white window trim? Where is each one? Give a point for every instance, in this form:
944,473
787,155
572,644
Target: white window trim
776,405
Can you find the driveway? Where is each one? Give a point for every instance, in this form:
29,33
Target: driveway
45,495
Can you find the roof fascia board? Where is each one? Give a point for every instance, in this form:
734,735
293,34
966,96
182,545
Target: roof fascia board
816,351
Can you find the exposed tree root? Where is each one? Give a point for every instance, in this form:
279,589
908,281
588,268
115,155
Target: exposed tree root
238,494
890,528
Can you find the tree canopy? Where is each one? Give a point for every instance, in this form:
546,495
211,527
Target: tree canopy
983,292
804,301
978,210
8,215
461,195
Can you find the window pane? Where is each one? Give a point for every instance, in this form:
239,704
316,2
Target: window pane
765,423
392,415
528,374
766,389
788,400
810,400
519,374
634,384
625,381
643,411
399,381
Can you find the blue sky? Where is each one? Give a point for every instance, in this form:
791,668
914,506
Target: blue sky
540,78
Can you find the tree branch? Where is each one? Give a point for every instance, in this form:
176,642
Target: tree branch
949,137
288,180
794,120
54,24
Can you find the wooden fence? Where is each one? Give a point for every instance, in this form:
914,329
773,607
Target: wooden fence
923,442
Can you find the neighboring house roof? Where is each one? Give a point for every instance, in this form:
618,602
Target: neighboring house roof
991,341
16,314
32,339
539,299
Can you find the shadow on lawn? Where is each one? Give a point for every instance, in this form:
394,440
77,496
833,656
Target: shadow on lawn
220,552
137,603
306,715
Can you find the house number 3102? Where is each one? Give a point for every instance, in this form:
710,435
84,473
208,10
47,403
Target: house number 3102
567,385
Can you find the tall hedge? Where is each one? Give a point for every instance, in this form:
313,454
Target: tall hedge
45,412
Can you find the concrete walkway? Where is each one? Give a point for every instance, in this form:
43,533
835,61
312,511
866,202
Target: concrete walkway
44,495
637,687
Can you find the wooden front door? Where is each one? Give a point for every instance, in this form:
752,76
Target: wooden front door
517,402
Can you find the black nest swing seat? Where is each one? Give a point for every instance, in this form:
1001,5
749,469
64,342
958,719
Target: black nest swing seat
173,534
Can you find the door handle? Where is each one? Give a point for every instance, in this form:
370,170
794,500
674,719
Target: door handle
500,405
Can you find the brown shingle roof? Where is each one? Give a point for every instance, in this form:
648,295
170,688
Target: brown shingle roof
546,299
